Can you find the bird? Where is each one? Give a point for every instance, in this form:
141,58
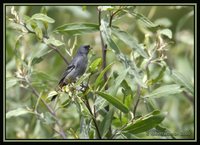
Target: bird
76,67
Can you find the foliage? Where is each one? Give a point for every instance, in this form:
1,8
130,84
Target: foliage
139,79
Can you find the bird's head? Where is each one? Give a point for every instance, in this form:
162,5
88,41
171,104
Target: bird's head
84,49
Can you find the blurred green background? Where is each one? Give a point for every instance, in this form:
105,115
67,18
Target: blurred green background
179,19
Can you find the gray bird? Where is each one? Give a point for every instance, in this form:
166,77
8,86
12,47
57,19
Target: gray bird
76,67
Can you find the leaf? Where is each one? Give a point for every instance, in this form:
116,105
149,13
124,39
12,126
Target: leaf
166,32
38,32
105,8
128,39
182,80
119,80
36,60
10,82
106,34
164,91
51,95
145,123
77,29
42,17
16,112
138,77
114,101
54,42
99,78
42,76
93,67
144,19
106,123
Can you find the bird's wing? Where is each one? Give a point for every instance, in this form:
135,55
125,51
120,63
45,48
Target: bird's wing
66,72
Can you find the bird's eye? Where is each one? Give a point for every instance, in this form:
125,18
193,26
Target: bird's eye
87,46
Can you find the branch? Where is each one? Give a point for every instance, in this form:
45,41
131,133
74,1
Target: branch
51,46
138,99
93,116
111,17
48,107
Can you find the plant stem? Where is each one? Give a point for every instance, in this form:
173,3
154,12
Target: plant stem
61,132
138,99
49,45
93,117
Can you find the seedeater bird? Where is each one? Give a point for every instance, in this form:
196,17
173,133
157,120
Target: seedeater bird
76,67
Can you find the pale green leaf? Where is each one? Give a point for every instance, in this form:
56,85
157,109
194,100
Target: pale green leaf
166,32
54,42
129,40
182,80
16,112
165,91
42,17
77,29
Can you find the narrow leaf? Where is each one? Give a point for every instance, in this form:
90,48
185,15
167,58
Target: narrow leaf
77,29
54,42
99,78
164,91
115,102
42,17
144,19
106,123
51,95
166,32
10,82
182,80
16,112
145,123
95,65
128,39
38,32
36,60
106,34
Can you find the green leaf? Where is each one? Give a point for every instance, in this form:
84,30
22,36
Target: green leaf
42,17
166,32
164,91
42,76
138,77
182,80
54,42
51,95
36,60
114,101
99,78
38,32
128,39
145,123
106,123
144,19
105,8
94,65
119,80
16,112
106,34
77,29
10,82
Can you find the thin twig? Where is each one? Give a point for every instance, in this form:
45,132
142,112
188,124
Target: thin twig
48,107
189,97
51,46
112,15
138,99
93,117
